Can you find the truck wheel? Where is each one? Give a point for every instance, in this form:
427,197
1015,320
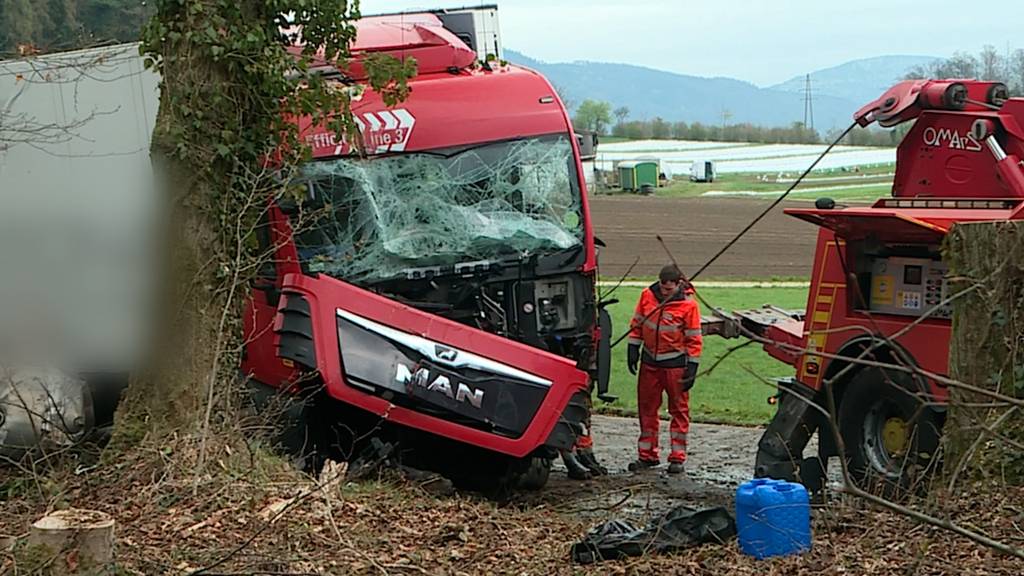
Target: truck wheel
294,432
536,475
891,437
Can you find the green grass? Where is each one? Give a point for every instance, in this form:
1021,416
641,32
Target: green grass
712,278
729,394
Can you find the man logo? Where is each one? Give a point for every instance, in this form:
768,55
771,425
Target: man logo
441,384
445,353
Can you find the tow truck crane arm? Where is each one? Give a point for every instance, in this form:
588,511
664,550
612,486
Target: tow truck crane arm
908,100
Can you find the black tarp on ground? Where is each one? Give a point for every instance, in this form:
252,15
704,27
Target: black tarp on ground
679,528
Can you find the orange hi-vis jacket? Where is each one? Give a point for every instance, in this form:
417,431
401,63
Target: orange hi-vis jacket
670,337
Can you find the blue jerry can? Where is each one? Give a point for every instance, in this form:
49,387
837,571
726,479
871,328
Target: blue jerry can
773,518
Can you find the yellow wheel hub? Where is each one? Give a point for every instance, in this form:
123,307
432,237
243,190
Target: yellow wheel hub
894,435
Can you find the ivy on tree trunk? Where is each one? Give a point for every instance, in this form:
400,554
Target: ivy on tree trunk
230,90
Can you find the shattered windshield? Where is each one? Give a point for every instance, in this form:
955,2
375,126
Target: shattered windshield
383,216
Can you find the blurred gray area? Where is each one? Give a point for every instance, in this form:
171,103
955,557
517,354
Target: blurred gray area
78,209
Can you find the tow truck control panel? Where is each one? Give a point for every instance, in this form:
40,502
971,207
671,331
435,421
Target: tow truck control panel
909,287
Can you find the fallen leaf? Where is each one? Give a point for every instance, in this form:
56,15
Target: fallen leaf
72,561
273,509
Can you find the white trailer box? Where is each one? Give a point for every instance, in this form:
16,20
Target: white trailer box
476,26
78,208
702,171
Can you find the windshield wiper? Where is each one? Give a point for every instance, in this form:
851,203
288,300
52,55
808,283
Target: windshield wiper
574,252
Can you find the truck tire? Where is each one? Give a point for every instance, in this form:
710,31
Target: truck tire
292,430
536,475
891,436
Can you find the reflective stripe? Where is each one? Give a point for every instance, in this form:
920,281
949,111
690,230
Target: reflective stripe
695,359
644,445
678,437
666,328
694,332
635,340
664,355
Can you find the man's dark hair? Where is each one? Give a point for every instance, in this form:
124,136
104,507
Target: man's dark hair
670,274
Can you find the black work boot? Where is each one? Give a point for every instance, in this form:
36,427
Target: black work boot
587,458
576,470
640,464
676,468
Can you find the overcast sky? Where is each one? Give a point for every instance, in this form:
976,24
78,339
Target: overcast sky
762,41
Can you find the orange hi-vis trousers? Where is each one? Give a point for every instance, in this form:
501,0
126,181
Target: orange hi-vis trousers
651,384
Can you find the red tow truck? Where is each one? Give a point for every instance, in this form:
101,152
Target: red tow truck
879,290
437,285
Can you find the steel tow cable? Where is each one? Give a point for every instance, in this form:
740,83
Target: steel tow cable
776,202
745,229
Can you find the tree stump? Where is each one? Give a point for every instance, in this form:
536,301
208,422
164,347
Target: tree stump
81,541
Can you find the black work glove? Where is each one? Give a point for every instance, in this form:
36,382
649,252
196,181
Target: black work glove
689,375
632,358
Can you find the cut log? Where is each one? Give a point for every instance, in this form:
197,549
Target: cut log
81,541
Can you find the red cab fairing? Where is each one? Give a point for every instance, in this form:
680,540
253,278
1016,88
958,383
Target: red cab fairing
327,296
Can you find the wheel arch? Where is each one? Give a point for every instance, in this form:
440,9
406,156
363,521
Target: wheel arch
885,351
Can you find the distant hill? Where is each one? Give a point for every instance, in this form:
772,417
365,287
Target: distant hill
650,93
860,80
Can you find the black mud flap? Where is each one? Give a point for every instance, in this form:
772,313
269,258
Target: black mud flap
604,356
569,426
780,450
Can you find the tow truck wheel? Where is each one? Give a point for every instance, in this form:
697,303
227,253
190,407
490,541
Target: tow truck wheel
891,436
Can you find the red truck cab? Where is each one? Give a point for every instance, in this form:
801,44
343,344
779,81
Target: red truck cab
438,284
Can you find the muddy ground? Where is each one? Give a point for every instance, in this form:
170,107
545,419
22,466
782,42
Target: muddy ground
720,458
695,229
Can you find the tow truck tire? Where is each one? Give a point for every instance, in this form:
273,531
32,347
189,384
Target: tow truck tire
891,436
536,475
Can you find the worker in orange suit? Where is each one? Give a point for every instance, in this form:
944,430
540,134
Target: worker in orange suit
665,341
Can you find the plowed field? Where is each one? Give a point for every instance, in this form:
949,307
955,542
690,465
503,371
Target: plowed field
694,230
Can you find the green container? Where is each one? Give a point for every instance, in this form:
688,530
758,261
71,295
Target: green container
634,174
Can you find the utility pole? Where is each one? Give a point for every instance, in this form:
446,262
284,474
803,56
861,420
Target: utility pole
808,105
726,115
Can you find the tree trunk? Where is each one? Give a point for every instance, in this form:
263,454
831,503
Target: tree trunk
984,436
199,329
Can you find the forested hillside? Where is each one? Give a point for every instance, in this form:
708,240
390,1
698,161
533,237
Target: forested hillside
31,26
